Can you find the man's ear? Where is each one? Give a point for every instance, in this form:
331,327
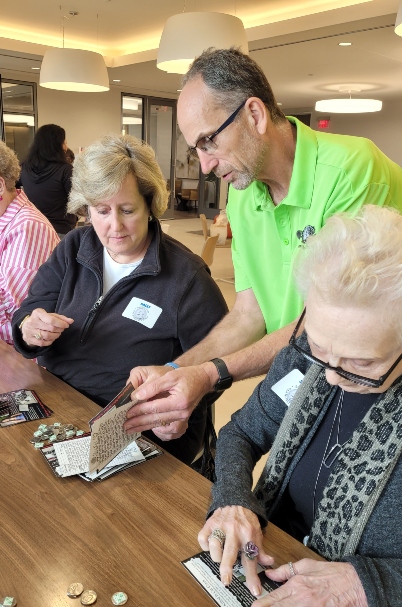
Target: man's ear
258,113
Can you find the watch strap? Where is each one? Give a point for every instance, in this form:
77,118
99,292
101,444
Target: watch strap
225,379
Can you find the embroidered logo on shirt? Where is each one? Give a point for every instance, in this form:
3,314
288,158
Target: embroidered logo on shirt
305,233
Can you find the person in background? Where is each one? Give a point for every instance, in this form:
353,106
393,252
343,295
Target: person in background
46,177
70,156
286,180
333,478
119,292
26,241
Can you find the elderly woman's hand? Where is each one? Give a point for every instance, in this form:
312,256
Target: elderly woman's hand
240,526
317,584
41,328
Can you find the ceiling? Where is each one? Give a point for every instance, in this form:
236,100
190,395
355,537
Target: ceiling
295,41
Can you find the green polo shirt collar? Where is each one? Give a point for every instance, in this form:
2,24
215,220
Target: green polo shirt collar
302,181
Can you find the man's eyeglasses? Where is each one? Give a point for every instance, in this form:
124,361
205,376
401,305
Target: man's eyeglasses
206,144
356,379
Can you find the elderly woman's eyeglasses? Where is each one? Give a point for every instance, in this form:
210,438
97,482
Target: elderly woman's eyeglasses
356,379
206,144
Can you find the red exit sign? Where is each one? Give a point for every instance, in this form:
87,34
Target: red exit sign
323,123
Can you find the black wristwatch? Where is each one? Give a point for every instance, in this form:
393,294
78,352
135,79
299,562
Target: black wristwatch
225,379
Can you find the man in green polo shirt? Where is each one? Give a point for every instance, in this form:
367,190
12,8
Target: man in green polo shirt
331,174
286,180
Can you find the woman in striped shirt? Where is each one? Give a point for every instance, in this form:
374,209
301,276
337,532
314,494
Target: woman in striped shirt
26,241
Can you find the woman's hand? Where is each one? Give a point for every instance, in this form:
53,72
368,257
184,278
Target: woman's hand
42,328
240,526
316,584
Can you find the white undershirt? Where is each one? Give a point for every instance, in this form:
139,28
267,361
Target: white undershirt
113,271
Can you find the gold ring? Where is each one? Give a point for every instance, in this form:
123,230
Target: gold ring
219,535
38,335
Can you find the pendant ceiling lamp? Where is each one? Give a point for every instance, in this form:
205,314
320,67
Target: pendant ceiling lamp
187,35
398,22
70,69
348,105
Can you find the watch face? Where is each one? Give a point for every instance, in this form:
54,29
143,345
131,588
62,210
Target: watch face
224,384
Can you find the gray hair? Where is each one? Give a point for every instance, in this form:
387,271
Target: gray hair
99,173
355,260
9,166
233,77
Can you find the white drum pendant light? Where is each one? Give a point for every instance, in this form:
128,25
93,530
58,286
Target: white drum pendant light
69,69
187,35
348,105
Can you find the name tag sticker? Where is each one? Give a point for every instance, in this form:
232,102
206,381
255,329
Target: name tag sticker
143,312
286,387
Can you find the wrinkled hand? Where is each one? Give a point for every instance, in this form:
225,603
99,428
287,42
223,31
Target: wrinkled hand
317,584
240,526
43,328
168,397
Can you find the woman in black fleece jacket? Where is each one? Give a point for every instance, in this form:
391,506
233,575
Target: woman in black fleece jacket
119,293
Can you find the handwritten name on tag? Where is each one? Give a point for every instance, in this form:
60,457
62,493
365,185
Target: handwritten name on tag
286,387
143,312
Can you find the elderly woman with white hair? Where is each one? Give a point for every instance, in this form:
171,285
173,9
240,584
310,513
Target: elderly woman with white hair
333,478
119,293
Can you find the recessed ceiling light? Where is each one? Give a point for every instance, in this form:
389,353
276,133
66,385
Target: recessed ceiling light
116,80
179,90
279,103
35,68
344,44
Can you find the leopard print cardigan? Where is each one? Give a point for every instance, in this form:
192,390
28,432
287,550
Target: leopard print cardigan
360,474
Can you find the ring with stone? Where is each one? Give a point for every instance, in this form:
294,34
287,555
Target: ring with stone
219,535
38,335
292,571
250,550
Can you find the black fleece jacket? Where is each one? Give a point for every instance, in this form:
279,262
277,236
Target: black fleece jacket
48,190
96,353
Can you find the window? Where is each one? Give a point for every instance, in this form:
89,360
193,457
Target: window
19,115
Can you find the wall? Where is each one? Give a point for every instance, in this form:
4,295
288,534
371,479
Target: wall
84,116
383,127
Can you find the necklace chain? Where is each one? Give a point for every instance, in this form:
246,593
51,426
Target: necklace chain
331,455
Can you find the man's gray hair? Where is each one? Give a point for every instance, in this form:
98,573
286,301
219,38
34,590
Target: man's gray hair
355,261
99,173
233,77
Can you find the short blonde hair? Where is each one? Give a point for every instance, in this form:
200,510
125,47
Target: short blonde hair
99,173
355,260
9,166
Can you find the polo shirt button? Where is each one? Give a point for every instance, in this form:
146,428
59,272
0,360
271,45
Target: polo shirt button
286,241
283,222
